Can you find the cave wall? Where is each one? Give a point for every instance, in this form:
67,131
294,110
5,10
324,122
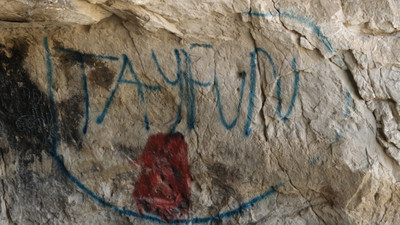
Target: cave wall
211,112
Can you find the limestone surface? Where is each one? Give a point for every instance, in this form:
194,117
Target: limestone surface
199,112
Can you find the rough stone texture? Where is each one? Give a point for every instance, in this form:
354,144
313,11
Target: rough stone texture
290,111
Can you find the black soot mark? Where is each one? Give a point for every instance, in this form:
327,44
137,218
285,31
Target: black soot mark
96,69
67,60
24,109
72,112
222,188
99,74
25,122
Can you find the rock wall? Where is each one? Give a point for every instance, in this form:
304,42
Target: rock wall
199,112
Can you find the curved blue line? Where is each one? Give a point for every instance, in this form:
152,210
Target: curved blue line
54,142
301,19
295,90
227,125
173,83
349,102
278,85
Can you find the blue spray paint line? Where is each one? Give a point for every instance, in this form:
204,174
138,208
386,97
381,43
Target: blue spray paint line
233,212
253,73
190,100
258,14
59,161
349,103
192,81
294,94
178,60
314,27
227,125
110,99
278,86
177,81
186,83
190,90
200,45
271,62
252,93
319,34
139,85
85,91
300,19
54,114
55,138
190,93
80,56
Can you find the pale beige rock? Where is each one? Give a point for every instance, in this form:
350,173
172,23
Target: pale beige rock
57,11
318,127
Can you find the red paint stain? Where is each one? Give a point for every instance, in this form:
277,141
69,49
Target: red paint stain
163,187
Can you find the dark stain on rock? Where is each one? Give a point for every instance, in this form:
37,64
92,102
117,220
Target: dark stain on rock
67,61
99,73
25,115
25,123
42,190
72,112
3,151
330,195
218,170
131,153
96,70
24,109
222,179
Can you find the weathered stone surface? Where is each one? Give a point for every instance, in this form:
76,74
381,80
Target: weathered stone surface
232,112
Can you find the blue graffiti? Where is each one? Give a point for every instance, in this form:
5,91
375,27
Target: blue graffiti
227,125
349,103
347,111
187,94
298,18
295,90
186,84
252,94
177,81
278,83
80,56
54,142
140,88
316,31
200,45
54,114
